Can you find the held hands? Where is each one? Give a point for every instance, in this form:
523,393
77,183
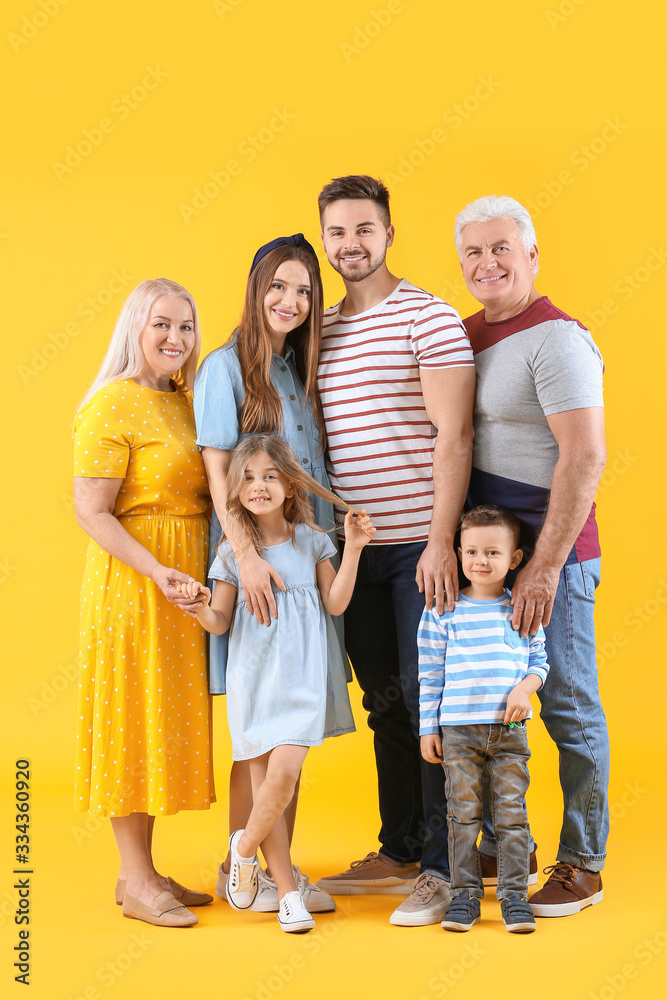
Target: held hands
431,748
196,591
358,530
170,581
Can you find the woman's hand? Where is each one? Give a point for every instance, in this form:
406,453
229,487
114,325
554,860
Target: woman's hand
358,530
256,576
169,581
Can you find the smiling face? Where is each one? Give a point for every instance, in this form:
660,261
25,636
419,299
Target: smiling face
497,269
487,555
287,302
166,341
355,237
264,488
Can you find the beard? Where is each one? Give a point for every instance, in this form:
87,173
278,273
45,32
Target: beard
358,272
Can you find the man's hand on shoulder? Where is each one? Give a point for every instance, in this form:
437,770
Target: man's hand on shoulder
533,596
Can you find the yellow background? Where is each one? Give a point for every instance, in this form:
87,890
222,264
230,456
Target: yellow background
558,103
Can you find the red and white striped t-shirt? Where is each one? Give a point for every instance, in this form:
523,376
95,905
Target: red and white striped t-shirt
380,437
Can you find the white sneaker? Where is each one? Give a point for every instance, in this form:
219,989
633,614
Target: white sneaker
266,900
241,887
293,916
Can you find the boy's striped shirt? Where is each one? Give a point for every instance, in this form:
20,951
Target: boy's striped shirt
469,661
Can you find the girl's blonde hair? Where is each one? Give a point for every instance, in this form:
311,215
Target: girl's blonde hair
124,357
297,508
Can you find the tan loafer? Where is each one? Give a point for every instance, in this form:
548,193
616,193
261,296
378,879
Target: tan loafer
165,911
188,897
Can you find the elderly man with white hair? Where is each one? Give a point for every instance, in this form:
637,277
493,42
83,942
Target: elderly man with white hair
540,450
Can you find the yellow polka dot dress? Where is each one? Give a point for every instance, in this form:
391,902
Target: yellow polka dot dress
143,741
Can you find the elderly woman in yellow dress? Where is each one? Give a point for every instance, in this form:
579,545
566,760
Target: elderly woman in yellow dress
140,492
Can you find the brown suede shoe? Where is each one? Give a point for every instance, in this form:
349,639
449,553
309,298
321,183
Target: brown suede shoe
165,911
373,874
187,897
489,865
567,890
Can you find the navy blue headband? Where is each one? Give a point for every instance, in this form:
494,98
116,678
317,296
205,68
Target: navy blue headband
298,240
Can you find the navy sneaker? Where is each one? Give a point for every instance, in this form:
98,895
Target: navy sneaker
462,913
517,914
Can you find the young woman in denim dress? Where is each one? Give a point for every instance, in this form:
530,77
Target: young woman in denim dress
264,381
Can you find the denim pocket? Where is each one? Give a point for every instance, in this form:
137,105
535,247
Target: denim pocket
512,637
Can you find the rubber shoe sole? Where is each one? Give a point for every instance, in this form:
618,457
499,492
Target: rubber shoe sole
455,925
565,909
390,886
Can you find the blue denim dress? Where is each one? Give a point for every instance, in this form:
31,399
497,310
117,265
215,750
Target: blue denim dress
285,682
218,400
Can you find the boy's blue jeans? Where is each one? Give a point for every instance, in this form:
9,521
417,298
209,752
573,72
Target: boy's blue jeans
466,751
575,720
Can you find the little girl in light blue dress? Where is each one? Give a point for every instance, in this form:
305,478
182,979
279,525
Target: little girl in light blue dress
278,674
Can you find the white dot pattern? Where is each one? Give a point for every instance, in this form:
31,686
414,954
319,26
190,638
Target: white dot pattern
143,742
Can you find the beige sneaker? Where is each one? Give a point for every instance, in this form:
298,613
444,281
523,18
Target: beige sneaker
373,874
426,904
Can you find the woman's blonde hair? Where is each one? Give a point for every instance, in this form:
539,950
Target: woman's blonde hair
297,508
124,358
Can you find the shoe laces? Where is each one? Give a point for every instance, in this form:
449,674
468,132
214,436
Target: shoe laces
371,858
243,877
562,871
424,887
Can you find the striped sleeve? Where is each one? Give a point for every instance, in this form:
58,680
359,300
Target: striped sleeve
431,646
537,656
439,338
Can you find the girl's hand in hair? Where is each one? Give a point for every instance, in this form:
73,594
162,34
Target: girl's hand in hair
358,529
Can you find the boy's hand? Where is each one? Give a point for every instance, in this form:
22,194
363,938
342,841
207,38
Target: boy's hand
358,530
518,704
194,590
431,748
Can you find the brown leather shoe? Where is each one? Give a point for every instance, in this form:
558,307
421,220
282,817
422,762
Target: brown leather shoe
567,890
489,865
372,874
187,897
165,911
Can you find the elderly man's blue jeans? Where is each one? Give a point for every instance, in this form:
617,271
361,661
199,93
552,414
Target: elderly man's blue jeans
381,625
574,718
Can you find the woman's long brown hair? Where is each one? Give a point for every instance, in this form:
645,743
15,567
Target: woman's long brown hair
262,411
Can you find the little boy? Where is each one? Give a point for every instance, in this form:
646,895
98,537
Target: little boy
476,676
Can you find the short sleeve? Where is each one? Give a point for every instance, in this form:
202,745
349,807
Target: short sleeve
324,547
568,371
102,438
439,339
224,567
218,397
